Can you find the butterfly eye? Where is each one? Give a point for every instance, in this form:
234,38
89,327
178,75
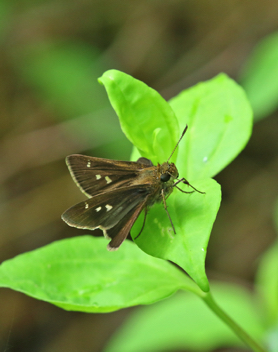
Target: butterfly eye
165,177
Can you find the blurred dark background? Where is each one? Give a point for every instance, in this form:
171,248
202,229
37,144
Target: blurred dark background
52,53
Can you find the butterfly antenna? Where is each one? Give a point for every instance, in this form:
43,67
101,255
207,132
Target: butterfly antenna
183,133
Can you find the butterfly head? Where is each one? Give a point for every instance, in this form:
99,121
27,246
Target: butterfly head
168,172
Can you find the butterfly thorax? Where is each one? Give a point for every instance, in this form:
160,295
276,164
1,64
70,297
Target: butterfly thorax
160,179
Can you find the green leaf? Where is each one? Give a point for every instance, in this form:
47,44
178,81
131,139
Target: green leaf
144,115
193,216
80,274
219,121
146,118
259,77
183,322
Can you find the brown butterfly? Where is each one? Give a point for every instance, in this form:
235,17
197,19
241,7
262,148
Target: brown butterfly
118,191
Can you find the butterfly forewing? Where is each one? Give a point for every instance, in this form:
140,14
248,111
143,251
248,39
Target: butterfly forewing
96,175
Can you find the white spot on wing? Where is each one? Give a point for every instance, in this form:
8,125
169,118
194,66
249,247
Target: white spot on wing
86,205
98,177
98,209
205,159
108,179
89,164
108,207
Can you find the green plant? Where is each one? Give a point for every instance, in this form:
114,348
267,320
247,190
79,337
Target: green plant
79,274
183,322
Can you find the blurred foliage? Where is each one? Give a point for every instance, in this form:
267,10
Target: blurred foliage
5,17
64,74
184,322
259,77
267,280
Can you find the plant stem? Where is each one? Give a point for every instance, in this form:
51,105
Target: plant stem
208,299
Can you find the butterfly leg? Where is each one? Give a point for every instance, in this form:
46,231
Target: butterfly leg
145,215
183,180
165,207
184,191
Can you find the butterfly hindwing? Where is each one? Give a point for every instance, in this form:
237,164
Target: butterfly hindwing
96,175
120,231
105,210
